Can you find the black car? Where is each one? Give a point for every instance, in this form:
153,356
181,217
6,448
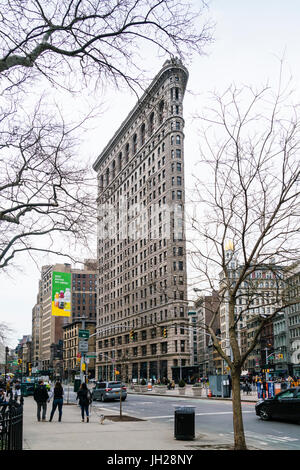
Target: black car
285,405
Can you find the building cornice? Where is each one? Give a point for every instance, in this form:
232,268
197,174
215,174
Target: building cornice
169,66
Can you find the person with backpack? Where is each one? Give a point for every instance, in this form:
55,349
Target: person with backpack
85,399
41,397
58,394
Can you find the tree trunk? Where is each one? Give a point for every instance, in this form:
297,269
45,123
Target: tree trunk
238,427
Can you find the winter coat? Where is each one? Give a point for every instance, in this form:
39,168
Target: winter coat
84,397
40,394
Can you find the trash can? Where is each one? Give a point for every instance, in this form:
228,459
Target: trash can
184,428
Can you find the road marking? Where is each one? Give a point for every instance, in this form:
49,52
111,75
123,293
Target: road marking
197,414
269,437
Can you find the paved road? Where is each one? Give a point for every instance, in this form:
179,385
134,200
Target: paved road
210,416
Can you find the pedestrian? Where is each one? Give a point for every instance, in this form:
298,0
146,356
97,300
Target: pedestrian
84,397
247,387
3,400
58,400
9,391
41,397
17,392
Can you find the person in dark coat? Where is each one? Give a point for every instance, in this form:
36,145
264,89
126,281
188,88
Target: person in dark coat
58,394
41,397
84,397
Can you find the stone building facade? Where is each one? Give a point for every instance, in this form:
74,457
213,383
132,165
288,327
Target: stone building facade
142,294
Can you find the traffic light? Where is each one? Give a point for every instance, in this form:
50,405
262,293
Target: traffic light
131,334
165,332
29,366
19,361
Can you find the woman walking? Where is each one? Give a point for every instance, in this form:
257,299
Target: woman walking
58,394
84,397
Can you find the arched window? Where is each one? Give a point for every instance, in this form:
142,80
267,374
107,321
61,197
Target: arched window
178,140
127,152
134,141
151,123
143,127
101,182
120,161
161,112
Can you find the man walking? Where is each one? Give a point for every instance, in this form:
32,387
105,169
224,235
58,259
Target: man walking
41,396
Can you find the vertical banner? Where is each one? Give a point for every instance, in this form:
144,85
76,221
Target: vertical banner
61,294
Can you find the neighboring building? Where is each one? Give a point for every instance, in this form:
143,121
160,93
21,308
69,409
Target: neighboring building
24,353
71,354
36,323
142,295
292,316
204,310
47,328
258,297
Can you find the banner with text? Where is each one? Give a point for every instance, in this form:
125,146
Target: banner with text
61,294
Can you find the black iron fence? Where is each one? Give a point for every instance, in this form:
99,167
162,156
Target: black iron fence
11,426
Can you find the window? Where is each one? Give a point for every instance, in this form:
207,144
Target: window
134,141
161,112
286,395
127,152
178,140
151,123
142,134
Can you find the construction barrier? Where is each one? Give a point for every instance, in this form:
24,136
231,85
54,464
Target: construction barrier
277,388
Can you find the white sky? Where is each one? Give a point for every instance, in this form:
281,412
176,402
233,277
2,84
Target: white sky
250,39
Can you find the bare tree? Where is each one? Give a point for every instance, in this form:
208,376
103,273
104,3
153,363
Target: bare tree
71,44
43,191
103,38
246,218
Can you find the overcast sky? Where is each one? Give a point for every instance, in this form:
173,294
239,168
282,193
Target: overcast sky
250,39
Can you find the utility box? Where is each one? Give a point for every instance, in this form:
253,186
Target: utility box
220,385
77,383
184,423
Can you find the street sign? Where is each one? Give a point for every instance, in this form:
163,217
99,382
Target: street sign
91,355
83,334
83,346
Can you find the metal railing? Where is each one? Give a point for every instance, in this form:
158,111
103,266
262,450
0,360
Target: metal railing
11,426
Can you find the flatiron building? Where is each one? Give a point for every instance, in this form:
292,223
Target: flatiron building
142,308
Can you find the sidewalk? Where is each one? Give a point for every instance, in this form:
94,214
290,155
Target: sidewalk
251,397
72,434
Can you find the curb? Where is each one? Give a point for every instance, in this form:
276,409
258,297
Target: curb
153,394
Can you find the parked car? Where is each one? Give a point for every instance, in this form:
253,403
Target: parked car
285,406
104,391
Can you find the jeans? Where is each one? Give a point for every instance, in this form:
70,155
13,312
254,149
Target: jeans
57,402
84,408
41,406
